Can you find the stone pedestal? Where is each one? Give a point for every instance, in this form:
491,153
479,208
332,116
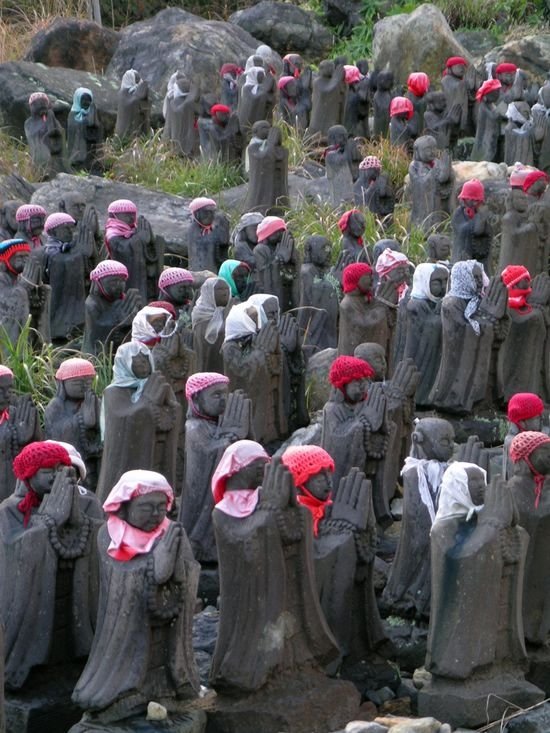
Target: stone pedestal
473,703
306,703
192,722
539,667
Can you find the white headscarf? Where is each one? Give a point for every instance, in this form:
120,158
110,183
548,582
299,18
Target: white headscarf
429,474
173,91
251,78
454,495
463,285
206,309
142,329
258,300
129,81
123,376
246,220
513,114
239,324
421,281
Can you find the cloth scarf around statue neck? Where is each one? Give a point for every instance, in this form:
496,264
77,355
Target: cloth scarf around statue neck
316,506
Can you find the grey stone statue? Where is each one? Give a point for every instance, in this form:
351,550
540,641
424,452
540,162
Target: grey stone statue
84,133
328,99
179,111
341,163
267,157
431,182
134,106
45,137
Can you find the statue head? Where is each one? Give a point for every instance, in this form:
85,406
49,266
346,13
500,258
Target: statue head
525,410
369,168
31,218
203,210
37,464
60,226
311,468
506,73
384,244
337,136
270,230
260,129
6,387
141,365
425,149
472,195
246,229
352,377
438,282
39,104
241,468
394,266
533,448
433,439
74,204
384,81
317,250
375,356
544,95
288,86
358,278
535,183
326,68
436,102
517,200
236,274
206,393
352,222
456,66
75,377
176,284
476,484
363,66
292,65
109,279
439,247
124,210
14,254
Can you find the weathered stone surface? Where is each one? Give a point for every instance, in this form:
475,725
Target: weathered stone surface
533,721
192,722
74,44
12,186
177,40
317,384
530,53
285,27
343,13
19,79
168,214
422,725
362,726
477,42
417,41
466,170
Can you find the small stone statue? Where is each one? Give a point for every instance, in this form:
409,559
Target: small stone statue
408,590
352,224
418,85
253,361
270,584
341,163
148,580
344,547
356,116
176,287
431,182
292,106
65,264
403,127
477,552
45,137
47,526
229,95
109,310
19,425
512,81
472,234
293,65
541,120
519,134
208,236
215,420
256,99
134,107
491,114
277,262
245,237
208,320
141,417
473,324
328,99
525,411
8,222
381,102
319,296
129,239
73,414
88,233
220,136
84,133
530,454
238,276
267,157
439,249
30,220
456,87
179,110
527,308
372,189
519,242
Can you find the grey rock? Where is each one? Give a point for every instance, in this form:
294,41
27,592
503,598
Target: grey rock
177,40
421,40
300,189
422,725
19,79
530,53
533,721
344,14
310,435
13,186
74,44
285,27
168,214
476,42
317,384
362,726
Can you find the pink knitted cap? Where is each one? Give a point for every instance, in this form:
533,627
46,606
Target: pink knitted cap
174,275
389,260
56,220
75,367
25,212
352,74
122,206
35,96
268,226
200,203
201,380
5,371
106,268
371,161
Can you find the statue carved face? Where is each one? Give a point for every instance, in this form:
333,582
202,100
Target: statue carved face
221,293
141,366
43,479
435,439
425,149
438,283
440,247
356,224
6,391
457,70
64,232
36,225
476,485
320,251
507,78
320,485
39,108
76,388
356,390
157,322
533,423
127,217
148,511
337,135
240,277
74,205
249,477
212,400
271,310
180,293
205,216
18,261
538,188
250,233
113,286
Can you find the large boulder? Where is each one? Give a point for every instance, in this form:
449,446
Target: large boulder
286,28
168,214
19,79
417,41
530,53
74,44
177,40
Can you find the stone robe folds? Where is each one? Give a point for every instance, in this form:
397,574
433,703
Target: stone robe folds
423,344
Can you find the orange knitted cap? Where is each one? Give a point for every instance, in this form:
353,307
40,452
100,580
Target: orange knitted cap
305,461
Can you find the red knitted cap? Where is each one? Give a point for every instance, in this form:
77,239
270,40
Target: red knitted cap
506,68
9,247
418,83
472,190
524,406
401,105
456,61
513,274
222,108
35,456
533,177
305,461
353,273
346,369
491,85
76,367
343,221
523,444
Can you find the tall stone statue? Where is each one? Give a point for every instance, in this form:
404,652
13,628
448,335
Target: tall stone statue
431,182
277,262
341,160
381,103
328,99
88,232
134,106
47,526
472,233
403,126
256,98
45,137
208,236
372,189
356,115
179,110
491,114
293,65
541,120
293,107
148,581
84,133
520,243
229,74
73,414
456,87
267,157
208,319
519,134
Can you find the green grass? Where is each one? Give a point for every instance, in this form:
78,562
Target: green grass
15,157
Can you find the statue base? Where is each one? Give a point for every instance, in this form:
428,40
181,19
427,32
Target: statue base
539,667
472,703
193,721
44,704
308,702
